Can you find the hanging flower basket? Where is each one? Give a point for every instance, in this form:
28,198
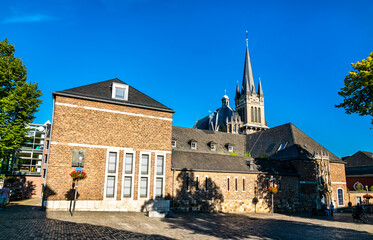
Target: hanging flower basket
368,196
78,175
272,190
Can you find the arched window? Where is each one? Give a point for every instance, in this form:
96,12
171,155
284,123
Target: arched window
252,114
340,197
259,115
234,129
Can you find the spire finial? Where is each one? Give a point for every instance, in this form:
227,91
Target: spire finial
225,91
247,39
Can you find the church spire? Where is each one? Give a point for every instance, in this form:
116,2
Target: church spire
248,86
237,92
260,90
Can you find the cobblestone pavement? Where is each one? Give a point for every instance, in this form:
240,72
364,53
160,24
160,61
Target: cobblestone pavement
24,220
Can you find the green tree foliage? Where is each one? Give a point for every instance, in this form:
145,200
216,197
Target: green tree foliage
358,90
18,100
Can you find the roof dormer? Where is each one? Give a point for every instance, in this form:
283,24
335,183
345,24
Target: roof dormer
120,91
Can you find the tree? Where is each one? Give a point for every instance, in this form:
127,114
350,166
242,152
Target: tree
358,90
18,100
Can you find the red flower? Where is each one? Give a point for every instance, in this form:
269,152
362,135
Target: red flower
78,175
272,190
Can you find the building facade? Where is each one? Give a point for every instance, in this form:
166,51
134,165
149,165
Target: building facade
28,166
124,139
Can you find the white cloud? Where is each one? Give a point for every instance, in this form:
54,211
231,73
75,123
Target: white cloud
29,18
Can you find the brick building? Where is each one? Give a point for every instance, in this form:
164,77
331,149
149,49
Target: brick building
359,176
123,139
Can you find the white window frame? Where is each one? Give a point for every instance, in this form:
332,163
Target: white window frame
160,176
120,85
124,174
144,175
213,147
195,145
109,150
230,149
343,197
173,144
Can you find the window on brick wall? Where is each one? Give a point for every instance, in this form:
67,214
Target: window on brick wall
243,185
128,174
235,184
340,197
197,183
228,183
111,174
160,176
144,175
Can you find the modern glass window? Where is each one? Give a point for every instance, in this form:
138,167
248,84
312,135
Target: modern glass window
127,189
112,165
159,165
340,197
119,92
158,187
144,164
110,186
144,187
128,163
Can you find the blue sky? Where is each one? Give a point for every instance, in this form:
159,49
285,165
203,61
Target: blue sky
186,53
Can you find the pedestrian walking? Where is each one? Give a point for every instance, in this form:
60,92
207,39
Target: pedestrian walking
331,208
4,194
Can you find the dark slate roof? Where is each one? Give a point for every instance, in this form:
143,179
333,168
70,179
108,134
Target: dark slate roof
361,158
299,145
359,171
102,91
183,136
207,162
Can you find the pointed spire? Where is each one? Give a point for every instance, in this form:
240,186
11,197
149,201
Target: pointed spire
237,92
248,86
260,90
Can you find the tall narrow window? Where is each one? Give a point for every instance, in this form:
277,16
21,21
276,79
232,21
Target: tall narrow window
228,184
128,163
111,180
112,166
235,184
252,114
127,188
340,197
145,164
259,115
144,187
160,163
243,185
144,175
255,115
159,187
206,183
197,183
110,186
187,180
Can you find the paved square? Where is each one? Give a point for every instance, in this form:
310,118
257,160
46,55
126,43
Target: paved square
24,220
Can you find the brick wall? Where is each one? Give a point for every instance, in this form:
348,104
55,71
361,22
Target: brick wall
98,128
219,198
338,178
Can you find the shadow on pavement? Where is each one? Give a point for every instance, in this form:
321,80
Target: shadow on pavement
237,226
29,222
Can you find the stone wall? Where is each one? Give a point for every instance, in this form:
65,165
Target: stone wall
250,195
97,128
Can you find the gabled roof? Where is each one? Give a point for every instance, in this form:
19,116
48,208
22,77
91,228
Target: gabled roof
363,171
361,158
205,162
102,91
299,145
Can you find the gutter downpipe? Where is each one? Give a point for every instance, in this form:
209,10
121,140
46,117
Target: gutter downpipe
43,204
173,188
